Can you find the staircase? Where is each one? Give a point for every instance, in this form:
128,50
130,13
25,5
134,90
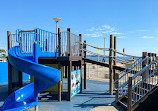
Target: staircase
136,83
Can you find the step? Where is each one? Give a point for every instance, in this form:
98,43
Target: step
124,104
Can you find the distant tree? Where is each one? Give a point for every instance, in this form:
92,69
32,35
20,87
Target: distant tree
2,53
2,50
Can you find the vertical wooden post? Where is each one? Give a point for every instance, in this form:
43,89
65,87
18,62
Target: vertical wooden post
144,54
114,70
66,71
69,41
14,76
81,62
155,62
111,66
80,67
149,61
59,84
69,63
129,104
80,36
153,58
116,86
75,67
59,64
9,65
20,73
69,80
59,42
85,77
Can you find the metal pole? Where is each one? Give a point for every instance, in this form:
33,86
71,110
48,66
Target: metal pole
104,45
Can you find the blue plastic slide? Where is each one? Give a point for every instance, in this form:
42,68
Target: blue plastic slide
44,78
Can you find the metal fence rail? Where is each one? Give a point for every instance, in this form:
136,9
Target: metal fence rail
70,43
75,45
129,71
46,39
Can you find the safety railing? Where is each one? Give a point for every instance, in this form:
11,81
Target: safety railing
144,81
14,41
64,44
47,40
98,55
139,85
75,45
70,44
129,71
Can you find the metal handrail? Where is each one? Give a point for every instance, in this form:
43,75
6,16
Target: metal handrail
130,69
138,73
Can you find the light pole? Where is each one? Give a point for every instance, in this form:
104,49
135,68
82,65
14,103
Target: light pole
104,48
57,20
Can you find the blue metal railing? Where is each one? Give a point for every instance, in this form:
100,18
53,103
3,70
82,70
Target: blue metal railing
46,39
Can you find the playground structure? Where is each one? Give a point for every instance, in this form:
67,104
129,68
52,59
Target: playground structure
68,52
29,49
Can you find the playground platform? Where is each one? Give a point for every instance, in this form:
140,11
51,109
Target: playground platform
95,97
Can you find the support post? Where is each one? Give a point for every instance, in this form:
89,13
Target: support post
153,58
14,76
9,65
85,77
66,71
114,70
155,62
111,66
80,67
69,41
149,61
129,104
144,55
59,84
80,36
69,80
116,86
59,64
59,42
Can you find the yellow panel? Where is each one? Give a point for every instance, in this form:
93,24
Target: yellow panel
54,88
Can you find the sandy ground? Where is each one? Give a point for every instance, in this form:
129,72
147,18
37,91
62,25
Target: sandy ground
96,72
105,108
100,73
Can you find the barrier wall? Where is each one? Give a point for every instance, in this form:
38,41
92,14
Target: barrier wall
4,73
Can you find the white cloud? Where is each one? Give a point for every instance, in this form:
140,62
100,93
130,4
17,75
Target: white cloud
147,37
93,35
101,30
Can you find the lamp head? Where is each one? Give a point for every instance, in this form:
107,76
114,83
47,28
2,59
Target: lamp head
57,19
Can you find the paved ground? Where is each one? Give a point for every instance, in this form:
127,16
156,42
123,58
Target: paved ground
95,98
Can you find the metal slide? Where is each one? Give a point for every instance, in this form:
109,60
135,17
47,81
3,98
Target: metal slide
44,78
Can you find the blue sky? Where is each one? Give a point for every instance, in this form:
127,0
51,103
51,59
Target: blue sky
134,22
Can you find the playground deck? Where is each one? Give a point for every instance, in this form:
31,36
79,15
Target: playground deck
95,95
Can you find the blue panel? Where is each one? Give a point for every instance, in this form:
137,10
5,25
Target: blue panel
3,72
